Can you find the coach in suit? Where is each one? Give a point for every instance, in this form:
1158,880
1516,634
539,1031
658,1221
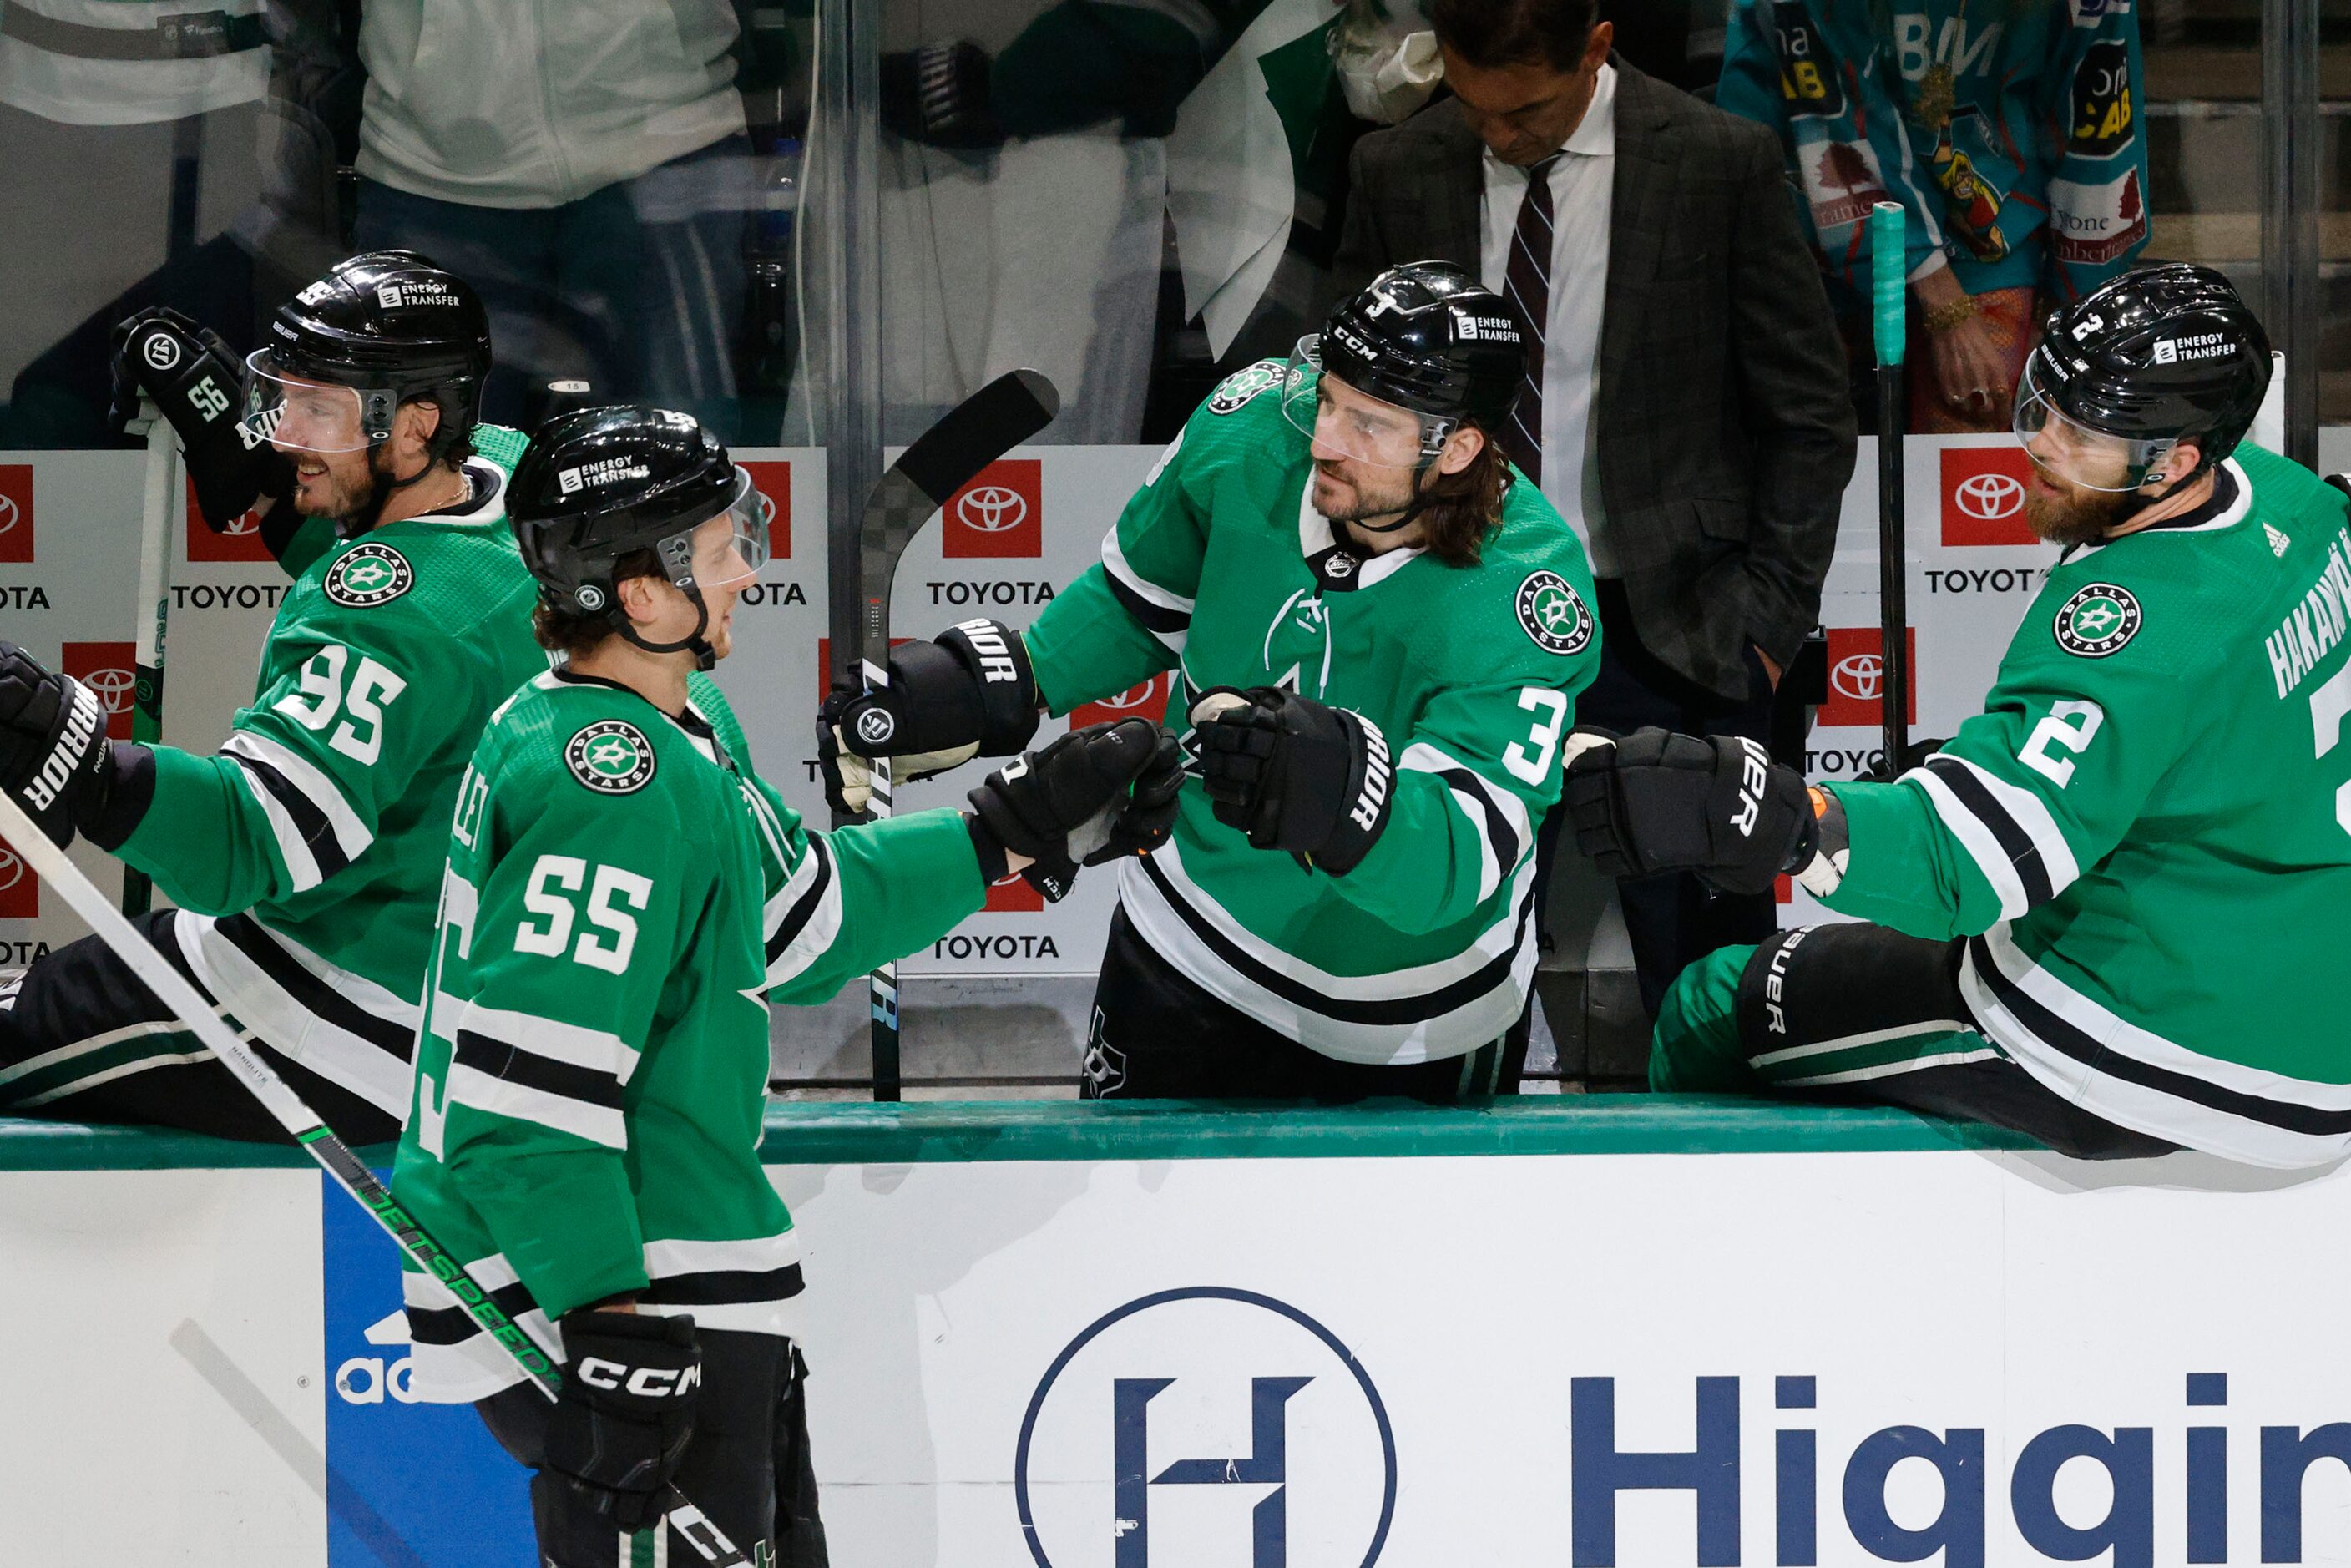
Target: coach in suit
1686,405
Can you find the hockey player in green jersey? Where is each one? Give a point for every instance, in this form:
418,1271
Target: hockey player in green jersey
1393,628
304,857
2113,908
621,892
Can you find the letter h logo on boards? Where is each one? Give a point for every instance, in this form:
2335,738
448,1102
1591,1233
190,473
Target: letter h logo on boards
16,513
1983,495
107,670
773,481
240,541
999,514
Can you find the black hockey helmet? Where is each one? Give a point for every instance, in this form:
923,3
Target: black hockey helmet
392,327
2148,359
600,484
1425,337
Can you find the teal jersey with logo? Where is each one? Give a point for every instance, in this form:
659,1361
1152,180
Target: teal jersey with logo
1220,568
306,856
2146,835
622,893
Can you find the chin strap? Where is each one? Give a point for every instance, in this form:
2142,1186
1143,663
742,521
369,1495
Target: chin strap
705,657
381,493
1413,509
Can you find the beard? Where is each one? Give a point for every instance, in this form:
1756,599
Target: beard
1361,500
2077,517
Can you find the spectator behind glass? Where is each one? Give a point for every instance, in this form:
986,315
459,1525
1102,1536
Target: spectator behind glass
585,167
2008,129
1685,407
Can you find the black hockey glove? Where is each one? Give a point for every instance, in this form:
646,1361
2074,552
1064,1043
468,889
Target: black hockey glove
626,1411
937,94
199,386
970,694
1097,794
1294,774
56,761
1653,802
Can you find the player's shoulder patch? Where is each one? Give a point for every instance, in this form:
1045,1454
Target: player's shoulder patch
367,575
2099,620
1236,390
1552,613
611,757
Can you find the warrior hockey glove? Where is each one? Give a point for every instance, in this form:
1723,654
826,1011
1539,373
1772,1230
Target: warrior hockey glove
198,384
1097,794
56,761
626,1410
968,694
1653,802
1294,774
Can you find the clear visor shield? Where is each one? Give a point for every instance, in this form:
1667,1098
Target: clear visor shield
730,549
298,415
1347,424
2072,452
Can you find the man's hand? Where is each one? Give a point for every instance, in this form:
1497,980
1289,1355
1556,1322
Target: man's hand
1653,802
625,1415
1097,794
190,375
968,694
56,761
1294,774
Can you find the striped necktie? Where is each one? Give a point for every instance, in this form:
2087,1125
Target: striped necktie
1526,279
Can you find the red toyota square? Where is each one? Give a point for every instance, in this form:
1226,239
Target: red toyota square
1983,495
1148,700
106,668
241,540
16,512
1013,895
20,890
1001,512
774,481
1856,671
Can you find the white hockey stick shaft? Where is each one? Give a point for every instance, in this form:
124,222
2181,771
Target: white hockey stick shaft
153,606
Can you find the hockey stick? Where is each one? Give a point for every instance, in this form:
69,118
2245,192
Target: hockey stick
985,426
333,1155
1888,324
154,568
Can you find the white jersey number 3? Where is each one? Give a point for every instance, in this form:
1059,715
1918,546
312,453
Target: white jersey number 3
1550,709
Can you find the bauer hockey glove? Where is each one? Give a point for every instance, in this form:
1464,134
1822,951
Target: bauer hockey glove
56,761
194,378
1294,774
1653,802
1097,794
625,1413
968,694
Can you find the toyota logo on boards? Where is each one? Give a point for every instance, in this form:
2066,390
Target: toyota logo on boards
106,669
1983,495
20,890
1202,1428
1857,677
16,513
1148,700
999,514
773,480
238,540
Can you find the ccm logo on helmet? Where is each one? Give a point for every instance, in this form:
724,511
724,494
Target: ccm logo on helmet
1489,329
645,1382
1752,775
995,658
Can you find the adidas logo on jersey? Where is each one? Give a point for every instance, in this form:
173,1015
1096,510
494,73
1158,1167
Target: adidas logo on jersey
2279,543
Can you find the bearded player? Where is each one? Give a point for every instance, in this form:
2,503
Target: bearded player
2112,910
306,856
1381,631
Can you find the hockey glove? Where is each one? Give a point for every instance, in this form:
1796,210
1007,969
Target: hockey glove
196,382
937,94
1653,802
1294,774
625,1413
1097,794
970,694
56,761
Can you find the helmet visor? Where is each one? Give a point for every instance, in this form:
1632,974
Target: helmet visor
1348,424
732,547
298,415
2070,450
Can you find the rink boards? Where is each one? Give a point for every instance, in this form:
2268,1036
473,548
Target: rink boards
1642,1332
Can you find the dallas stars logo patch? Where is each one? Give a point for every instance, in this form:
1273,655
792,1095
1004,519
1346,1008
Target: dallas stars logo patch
1244,384
611,757
2099,620
369,575
1554,613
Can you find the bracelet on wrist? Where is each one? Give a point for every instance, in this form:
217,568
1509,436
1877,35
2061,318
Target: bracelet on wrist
1943,318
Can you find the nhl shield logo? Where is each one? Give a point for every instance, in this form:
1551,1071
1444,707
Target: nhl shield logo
369,575
2099,620
611,757
1554,613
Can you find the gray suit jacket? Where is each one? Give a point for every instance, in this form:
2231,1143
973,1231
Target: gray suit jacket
1725,430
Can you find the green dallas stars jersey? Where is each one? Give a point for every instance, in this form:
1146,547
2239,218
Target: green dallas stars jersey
2147,834
306,855
1220,567
620,890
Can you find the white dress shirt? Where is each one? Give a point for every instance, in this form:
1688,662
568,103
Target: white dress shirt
1583,183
